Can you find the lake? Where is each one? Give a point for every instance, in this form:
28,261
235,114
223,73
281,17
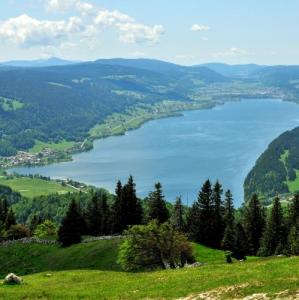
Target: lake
182,152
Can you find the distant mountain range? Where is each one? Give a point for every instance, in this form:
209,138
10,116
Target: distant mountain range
53,61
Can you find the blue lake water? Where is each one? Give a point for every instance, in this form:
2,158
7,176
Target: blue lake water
181,152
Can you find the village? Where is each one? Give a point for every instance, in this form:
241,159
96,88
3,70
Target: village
23,158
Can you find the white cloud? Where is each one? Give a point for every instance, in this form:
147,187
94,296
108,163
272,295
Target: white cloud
111,18
138,33
26,31
200,27
129,30
232,52
60,5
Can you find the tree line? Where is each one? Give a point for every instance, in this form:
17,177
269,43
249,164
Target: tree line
212,220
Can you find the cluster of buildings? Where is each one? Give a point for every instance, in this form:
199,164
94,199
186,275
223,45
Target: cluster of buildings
26,158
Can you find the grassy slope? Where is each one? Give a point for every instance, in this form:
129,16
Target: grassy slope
63,145
33,187
293,185
106,281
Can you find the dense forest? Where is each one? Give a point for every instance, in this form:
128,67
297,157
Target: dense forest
275,170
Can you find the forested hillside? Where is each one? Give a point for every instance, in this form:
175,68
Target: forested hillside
277,169
64,102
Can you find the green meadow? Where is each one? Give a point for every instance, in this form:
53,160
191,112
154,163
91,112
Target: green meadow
34,187
90,271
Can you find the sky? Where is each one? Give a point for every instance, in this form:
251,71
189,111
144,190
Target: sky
185,32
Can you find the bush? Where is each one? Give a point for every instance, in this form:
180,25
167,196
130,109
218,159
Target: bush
154,246
46,230
16,232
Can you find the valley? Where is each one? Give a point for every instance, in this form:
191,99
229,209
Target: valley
219,143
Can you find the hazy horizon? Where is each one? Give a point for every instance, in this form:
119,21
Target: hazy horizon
186,33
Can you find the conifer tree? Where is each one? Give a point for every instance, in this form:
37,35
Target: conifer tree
178,219
228,242
254,223
69,232
157,205
105,212
10,220
117,220
218,222
94,216
293,225
133,209
241,246
273,240
3,211
200,217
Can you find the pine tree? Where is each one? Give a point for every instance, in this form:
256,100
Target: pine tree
228,242
293,226
69,232
10,220
133,208
105,212
218,222
273,240
241,246
178,220
3,211
200,217
254,223
117,220
94,216
157,205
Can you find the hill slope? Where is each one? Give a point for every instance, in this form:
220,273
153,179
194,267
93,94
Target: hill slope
277,169
90,272
57,103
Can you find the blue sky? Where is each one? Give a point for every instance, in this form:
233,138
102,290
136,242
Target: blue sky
185,32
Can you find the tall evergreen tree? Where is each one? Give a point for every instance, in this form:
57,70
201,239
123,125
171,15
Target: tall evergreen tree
178,219
3,211
228,242
273,240
254,223
133,208
94,216
218,222
69,232
241,245
10,219
118,211
105,212
200,217
293,227
157,205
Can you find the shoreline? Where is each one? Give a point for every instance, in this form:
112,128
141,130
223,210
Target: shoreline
111,126
87,145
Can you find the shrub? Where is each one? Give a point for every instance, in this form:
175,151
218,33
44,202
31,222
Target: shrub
17,232
46,230
153,246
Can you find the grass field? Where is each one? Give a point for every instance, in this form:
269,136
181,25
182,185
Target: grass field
293,185
40,146
89,271
33,187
